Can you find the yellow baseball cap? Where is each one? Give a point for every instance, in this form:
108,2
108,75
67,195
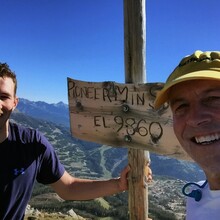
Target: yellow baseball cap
199,65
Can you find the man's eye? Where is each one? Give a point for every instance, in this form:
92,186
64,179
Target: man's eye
180,109
4,97
213,101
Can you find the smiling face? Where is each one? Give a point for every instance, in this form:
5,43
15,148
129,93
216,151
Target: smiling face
8,102
196,120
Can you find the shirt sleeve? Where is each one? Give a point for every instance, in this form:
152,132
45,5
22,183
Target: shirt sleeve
50,168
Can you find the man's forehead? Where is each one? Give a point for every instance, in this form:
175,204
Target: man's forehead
6,82
196,86
6,79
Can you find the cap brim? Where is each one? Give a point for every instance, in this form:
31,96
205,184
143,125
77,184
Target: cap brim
163,94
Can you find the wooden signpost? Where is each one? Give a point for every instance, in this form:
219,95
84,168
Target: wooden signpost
123,115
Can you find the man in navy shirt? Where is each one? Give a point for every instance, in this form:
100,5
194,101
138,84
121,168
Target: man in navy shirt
26,156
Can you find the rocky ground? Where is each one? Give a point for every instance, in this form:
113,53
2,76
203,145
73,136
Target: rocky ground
34,214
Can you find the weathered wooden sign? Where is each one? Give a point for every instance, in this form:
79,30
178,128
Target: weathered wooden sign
122,115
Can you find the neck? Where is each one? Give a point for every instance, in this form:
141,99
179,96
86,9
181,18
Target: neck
214,181
4,132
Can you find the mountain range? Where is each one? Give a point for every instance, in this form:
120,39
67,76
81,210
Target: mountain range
57,113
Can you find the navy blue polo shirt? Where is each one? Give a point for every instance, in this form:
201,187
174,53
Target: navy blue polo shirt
26,156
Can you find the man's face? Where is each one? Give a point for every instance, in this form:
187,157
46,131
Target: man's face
8,101
196,119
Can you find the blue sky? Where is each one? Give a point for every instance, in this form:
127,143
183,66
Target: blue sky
46,41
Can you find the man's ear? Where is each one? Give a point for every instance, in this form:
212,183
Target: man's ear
16,100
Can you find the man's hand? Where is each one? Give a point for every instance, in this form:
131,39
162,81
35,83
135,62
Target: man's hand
123,179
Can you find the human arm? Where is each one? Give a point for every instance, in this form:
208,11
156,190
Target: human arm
72,188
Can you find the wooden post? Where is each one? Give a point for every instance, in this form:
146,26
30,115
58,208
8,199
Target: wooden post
135,72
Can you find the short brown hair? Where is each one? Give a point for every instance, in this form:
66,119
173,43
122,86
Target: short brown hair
6,72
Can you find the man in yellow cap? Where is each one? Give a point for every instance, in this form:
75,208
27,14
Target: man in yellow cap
193,93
